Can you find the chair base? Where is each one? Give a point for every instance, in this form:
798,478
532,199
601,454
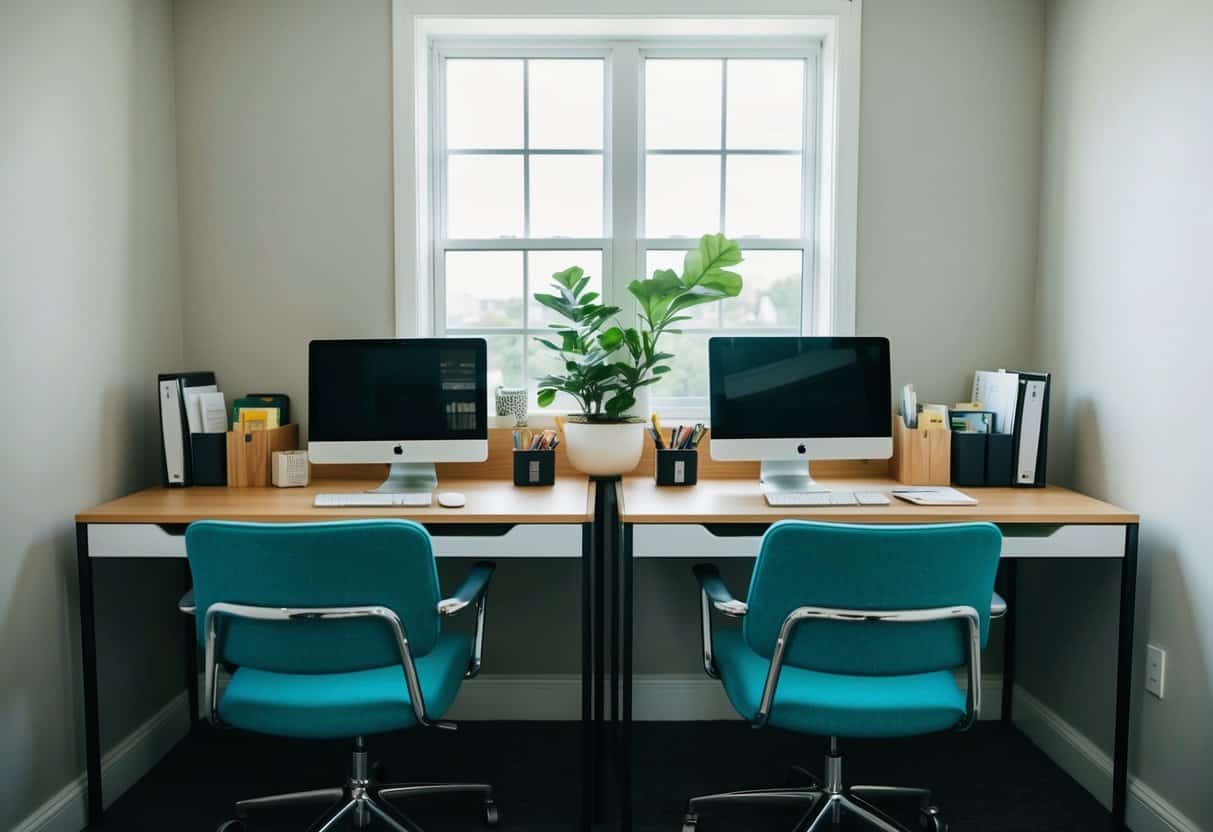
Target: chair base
363,800
825,800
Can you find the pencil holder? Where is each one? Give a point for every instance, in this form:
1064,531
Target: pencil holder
534,468
677,467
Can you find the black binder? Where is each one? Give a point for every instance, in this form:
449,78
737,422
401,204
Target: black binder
175,445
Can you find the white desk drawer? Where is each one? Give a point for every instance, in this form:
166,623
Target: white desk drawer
677,540
147,540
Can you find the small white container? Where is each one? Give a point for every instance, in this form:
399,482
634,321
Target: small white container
289,469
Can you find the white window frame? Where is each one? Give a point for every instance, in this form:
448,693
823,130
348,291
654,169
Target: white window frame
831,38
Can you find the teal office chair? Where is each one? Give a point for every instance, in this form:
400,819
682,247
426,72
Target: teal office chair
331,631
853,631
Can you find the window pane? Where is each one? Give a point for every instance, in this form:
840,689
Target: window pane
566,104
566,196
688,374
505,362
484,196
770,296
765,105
762,196
682,195
484,104
682,104
541,265
483,289
704,315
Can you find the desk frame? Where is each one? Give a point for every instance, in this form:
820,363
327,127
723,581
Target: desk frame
594,540
623,590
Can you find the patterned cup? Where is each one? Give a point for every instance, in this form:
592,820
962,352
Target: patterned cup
512,401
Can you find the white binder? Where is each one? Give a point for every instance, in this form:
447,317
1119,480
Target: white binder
171,429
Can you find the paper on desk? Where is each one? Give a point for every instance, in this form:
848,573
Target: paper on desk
934,496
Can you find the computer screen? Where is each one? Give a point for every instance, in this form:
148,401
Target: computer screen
399,390
800,388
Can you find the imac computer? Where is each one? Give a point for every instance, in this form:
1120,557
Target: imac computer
409,402
786,401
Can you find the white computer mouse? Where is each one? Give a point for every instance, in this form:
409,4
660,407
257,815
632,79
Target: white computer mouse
451,499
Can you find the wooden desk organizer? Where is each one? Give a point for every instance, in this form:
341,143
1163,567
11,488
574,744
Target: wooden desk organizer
249,453
920,456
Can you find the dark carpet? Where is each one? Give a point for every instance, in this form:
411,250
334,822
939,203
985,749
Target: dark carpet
987,780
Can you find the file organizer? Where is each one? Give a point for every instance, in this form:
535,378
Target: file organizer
921,456
981,458
679,467
534,467
249,453
208,456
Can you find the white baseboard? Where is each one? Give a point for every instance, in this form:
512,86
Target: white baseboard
1147,810
121,767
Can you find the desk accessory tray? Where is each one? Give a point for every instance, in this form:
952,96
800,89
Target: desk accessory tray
249,453
921,456
534,467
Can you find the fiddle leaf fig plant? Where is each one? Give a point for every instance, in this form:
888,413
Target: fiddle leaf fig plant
605,362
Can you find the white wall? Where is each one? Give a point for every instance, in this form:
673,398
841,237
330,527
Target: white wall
1125,293
90,309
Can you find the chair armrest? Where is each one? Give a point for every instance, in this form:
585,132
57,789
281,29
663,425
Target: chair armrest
998,606
713,588
186,604
474,585
473,590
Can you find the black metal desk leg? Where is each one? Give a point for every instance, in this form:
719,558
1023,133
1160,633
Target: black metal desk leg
191,656
625,774
589,755
1010,582
1124,678
88,653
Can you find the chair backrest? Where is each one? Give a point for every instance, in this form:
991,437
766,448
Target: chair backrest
871,568
388,563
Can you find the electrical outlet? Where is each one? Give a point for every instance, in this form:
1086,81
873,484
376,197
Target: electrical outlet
1156,670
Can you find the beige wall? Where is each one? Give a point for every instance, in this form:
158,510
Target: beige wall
1125,292
90,309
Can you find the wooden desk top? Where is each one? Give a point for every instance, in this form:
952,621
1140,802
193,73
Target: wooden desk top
740,500
570,500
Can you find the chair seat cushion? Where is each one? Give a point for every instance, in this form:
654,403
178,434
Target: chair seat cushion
830,704
342,705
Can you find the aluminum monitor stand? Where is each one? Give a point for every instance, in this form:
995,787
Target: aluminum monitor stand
409,478
785,477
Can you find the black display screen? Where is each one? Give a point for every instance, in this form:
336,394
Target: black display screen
405,389
800,388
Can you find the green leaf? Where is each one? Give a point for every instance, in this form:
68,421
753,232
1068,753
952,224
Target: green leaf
568,278
558,304
655,294
588,297
610,339
549,344
546,397
619,403
715,252
660,370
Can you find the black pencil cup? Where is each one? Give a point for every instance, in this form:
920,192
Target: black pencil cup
677,467
208,458
534,467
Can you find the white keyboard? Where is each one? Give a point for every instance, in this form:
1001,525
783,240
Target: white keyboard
826,498
373,500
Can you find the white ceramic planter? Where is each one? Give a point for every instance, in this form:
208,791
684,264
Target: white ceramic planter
604,450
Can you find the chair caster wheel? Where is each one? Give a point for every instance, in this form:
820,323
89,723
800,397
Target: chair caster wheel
690,822
233,825
929,820
492,816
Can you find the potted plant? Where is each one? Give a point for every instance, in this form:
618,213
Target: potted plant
605,364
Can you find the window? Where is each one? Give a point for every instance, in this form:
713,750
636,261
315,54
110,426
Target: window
615,154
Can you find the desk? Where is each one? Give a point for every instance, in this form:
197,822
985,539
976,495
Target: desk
499,521
726,517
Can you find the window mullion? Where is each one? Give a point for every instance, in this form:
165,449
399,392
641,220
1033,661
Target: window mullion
724,135
625,102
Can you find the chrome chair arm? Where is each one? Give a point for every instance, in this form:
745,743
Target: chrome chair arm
998,606
186,604
388,616
473,590
802,614
713,594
